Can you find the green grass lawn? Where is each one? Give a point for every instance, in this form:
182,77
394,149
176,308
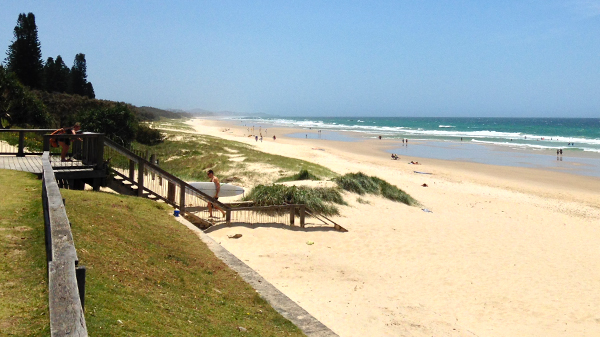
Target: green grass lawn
23,280
147,275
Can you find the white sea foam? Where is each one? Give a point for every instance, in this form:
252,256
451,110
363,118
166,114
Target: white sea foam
490,136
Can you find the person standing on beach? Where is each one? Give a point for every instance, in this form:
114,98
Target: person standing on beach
215,180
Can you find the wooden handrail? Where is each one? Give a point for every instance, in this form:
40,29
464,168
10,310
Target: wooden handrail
64,302
168,176
28,130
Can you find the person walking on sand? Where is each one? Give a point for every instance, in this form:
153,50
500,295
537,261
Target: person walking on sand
215,180
66,142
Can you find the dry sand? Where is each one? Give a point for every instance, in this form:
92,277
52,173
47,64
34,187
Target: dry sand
506,252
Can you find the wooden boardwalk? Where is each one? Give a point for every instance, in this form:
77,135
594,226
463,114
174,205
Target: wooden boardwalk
33,164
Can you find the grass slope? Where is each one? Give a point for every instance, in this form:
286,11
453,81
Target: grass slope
23,282
147,275
188,156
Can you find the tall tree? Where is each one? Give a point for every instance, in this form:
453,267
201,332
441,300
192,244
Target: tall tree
56,75
62,73
49,75
25,53
78,84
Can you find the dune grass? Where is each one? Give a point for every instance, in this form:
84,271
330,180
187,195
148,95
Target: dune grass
147,275
361,184
189,156
23,281
320,200
302,175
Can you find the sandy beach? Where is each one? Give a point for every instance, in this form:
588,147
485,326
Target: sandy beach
505,251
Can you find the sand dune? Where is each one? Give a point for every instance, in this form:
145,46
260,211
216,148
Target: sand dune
504,252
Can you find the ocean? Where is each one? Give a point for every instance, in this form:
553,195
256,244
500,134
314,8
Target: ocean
569,134
519,142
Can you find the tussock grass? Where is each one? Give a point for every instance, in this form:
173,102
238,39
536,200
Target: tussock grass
361,184
147,275
320,200
302,175
23,280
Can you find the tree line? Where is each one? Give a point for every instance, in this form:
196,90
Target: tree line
49,94
24,59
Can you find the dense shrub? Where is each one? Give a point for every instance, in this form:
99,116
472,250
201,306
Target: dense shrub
148,136
18,105
118,123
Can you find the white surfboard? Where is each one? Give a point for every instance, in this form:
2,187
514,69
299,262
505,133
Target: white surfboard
210,189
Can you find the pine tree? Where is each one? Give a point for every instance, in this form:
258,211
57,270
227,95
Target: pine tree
62,74
78,83
49,75
89,90
25,53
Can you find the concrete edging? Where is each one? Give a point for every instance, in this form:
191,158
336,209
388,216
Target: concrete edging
278,300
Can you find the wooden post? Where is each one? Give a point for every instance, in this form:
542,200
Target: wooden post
99,151
152,159
182,199
80,275
131,170
228,216
171,191
46,144
140,182
292,215
21,144
302,215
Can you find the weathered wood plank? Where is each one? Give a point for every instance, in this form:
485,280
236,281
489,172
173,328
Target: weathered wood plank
66,313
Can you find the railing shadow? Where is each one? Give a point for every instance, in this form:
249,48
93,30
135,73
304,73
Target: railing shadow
307,228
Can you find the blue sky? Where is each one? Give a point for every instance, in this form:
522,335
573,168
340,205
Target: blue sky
332,58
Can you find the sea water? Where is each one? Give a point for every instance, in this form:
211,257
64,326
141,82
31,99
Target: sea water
524,142
569,134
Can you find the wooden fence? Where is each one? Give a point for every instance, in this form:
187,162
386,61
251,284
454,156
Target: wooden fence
66,281
151,181
22,142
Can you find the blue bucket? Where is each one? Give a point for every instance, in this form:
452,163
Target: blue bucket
176,212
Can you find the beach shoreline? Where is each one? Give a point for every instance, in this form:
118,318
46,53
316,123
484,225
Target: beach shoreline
505,251
580,187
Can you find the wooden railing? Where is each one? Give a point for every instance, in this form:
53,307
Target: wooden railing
90,150
21,142
150,179
66,282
